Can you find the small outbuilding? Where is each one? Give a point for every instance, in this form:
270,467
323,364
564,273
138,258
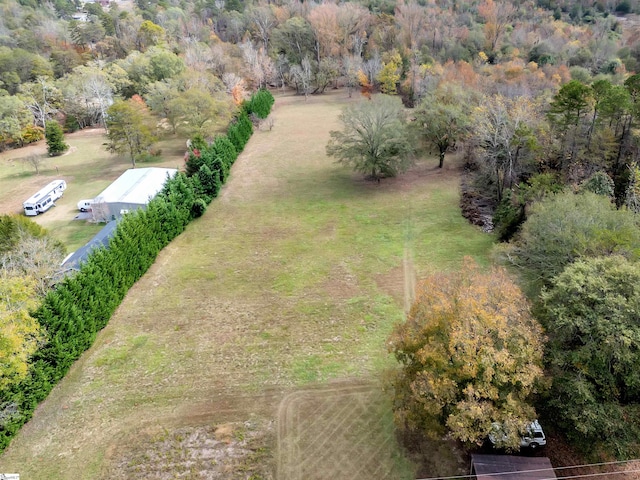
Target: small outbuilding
511,467
132,190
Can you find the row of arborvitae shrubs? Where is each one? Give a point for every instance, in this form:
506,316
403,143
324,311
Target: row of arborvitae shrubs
81,305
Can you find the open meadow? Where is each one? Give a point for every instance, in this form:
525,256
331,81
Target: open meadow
254,347
87,168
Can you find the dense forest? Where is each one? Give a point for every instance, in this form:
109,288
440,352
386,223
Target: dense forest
490,72
540,99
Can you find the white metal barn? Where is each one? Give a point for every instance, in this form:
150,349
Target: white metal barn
132,190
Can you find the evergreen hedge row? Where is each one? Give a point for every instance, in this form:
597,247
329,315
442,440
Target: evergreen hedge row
79,307
260,104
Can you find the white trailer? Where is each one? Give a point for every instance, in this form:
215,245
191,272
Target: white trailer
43,200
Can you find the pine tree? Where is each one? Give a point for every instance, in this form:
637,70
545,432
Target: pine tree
55,139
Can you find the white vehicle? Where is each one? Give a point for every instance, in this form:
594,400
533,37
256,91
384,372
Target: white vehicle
85,205
533,438
44,199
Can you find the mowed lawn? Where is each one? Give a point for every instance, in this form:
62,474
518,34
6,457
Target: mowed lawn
87,168
292,280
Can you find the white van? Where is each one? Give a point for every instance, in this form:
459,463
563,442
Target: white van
44,199
533,437
85,205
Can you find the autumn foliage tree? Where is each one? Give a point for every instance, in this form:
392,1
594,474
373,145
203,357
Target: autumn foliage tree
366,87
470,355
20,333
497,16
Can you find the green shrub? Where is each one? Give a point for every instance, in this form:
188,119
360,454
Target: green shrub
198,208
565,227
71,124
55,139
259,104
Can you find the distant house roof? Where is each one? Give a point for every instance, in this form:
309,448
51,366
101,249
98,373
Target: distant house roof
511,467
73,261
136,186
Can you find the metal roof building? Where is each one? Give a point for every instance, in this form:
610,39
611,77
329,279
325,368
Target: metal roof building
511,467
133,189
101,239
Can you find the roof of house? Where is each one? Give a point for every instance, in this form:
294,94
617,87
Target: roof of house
511,467
136,186
101,239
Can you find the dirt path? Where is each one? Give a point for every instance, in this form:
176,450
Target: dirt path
409,279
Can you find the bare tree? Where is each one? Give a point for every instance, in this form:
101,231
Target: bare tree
231,81
35,161
42,98
302,75
260,65
372,67
351,65
282,69
198,56
100,91
39,257
353,23
412,20
497,16
263,21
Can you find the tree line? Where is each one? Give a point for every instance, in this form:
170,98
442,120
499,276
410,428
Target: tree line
71,315
69,63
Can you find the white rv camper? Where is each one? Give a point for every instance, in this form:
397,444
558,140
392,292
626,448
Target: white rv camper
43,200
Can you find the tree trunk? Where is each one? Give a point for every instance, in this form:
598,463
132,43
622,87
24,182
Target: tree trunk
441,159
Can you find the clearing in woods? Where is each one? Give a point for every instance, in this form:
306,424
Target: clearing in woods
87,168
254,346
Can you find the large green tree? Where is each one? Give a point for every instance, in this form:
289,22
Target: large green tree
565,227
195,110
130,128
592,310
294,39
567,112
470,356
375,140
442,118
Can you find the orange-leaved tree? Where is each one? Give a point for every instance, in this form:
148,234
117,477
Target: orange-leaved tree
365,84
470,357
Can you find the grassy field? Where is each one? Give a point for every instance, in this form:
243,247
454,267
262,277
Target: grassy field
87,168
256,342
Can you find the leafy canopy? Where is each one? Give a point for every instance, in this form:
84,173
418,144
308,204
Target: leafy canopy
565,227
20,334
592,308
470,355
375,139
130,128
